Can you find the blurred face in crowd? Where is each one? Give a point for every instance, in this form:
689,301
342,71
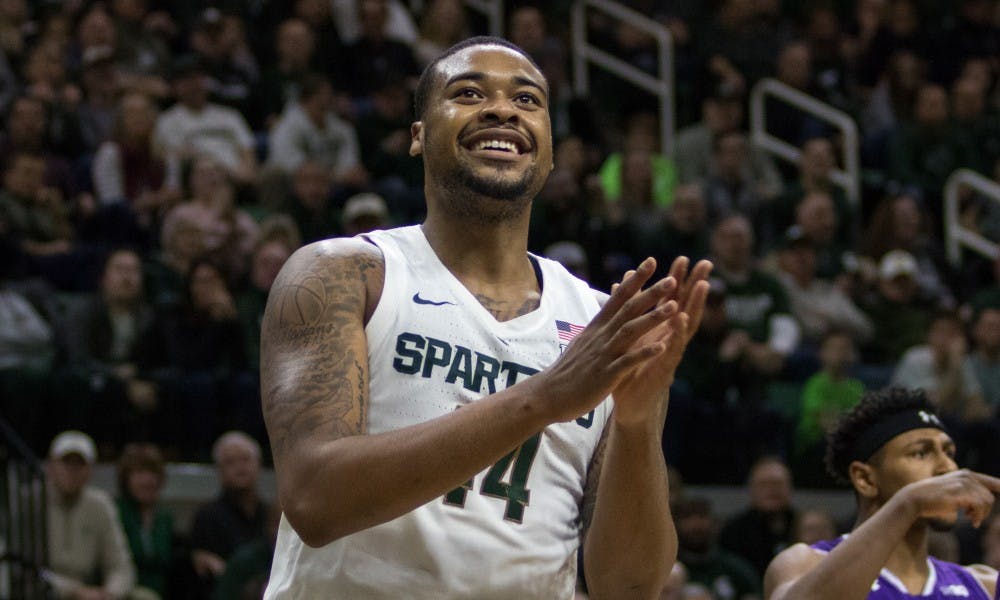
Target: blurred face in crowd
372,15
527,28
561,190
817,159
906,219
27,123
986,331
817,217
138,116
687,213
69,474
238,464
207,177
696,532
130,10
96,29
722,114
814,525
837,352
295,44
144,486
968,99
732,243
730,155
770,487
311,185
267,262
45,65
191,90
122,280
903,17
944,332
795,65
932,106
799,261
25,176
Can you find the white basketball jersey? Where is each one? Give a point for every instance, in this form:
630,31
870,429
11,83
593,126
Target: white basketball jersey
513,530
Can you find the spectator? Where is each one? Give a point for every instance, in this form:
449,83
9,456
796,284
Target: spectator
793,67
817,216
901,221
890,103
825,396
376,56
210,385
181,242
88,554
728,576
227,231
755,302
442,25
817,304
318,15
219,42
684,231
237,515
129,180
101,88
143,54
249,568
927,150
727,188
27,130
814,525
281,84
384,134
395,22
277,240
194,126
900,316
112,348
570,255
311,205
310,130
148,526
721,111
985,355
765,528
363,213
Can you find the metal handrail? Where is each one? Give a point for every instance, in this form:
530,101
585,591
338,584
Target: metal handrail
23,519
849,177
956,234
661,86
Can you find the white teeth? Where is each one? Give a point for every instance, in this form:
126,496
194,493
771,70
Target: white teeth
496,145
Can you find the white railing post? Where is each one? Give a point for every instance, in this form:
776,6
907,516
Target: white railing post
661,86
848,177
956,234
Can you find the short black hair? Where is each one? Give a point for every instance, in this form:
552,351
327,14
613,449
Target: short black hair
428,76
873,407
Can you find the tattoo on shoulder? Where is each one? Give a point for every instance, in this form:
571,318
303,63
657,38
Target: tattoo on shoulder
314,373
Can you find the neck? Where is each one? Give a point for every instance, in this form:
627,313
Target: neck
493,252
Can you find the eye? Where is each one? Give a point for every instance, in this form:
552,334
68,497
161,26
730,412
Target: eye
467,94
526,98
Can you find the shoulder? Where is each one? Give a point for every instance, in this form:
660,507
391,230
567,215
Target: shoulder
789,565
343,267
985,575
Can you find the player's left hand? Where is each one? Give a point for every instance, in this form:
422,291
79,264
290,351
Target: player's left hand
642,395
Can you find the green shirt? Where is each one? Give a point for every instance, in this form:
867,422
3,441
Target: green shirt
823,399
151,548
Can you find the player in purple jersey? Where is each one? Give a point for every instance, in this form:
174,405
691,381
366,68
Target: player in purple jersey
899,459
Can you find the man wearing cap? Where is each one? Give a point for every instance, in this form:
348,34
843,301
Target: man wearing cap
88,555
896,454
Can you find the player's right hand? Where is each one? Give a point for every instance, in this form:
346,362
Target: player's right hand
943,496
606,350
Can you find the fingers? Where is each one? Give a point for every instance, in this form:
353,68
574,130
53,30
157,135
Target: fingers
989,482
621,292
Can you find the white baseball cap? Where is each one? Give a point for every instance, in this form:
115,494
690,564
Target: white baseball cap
896,263
73,442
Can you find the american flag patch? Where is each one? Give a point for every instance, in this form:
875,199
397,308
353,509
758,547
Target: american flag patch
567,331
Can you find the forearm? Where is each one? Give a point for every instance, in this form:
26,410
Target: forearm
352,483
631,543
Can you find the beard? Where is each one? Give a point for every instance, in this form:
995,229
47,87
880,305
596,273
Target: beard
487,199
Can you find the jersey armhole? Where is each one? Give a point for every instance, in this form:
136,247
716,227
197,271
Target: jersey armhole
377,327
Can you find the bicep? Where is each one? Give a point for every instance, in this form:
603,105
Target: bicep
314,358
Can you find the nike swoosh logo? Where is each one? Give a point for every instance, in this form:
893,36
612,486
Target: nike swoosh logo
419,300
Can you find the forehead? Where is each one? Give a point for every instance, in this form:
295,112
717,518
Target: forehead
926,434
491,61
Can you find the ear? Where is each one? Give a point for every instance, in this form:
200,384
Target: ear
863,478
417,138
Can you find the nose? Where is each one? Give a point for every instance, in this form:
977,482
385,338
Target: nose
945,463
498,108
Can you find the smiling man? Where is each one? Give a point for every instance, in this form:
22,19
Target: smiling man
899,459
439,401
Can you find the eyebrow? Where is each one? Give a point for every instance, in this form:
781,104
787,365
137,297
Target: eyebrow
479,76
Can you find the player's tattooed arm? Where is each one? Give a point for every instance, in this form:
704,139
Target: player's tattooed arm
314,364
593,478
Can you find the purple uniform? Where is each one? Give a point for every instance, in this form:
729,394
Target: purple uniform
947,581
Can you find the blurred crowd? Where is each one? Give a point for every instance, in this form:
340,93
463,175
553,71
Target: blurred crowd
161,160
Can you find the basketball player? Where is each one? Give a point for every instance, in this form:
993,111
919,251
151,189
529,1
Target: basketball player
900,460
438,412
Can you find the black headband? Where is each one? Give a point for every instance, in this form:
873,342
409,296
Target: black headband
881,432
